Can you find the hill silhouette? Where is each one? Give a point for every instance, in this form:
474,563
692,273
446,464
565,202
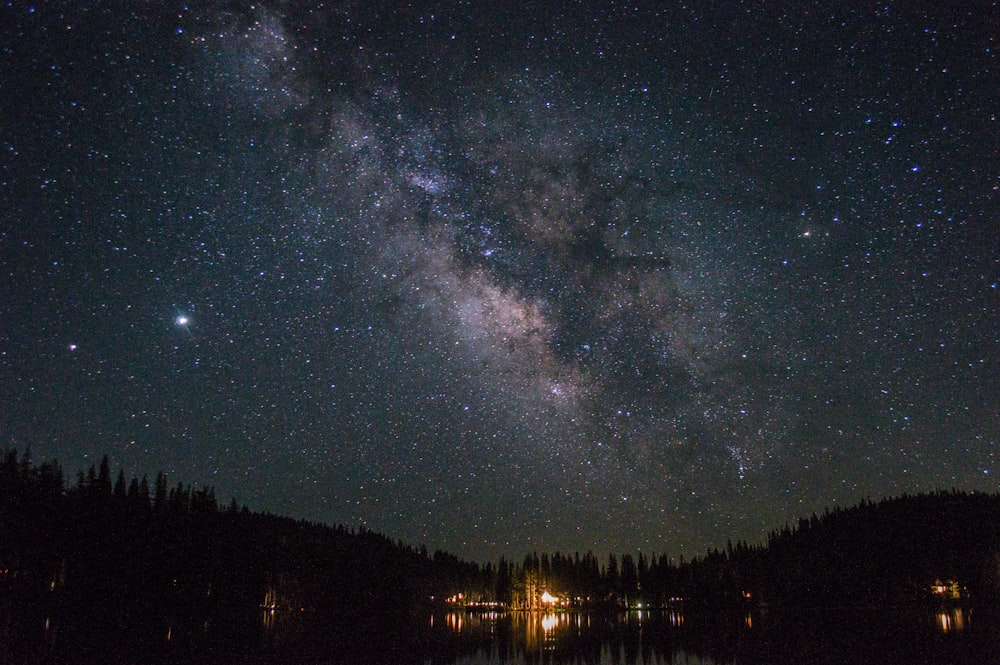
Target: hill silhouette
131,551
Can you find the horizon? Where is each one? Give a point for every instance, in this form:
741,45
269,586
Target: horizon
602,557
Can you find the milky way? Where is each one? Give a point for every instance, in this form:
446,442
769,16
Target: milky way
497,280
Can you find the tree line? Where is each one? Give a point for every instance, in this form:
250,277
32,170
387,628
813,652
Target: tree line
111,544
935,547
134,548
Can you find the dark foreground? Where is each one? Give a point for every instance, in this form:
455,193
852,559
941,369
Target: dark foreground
911,636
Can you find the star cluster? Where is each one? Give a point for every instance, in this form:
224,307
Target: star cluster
594,276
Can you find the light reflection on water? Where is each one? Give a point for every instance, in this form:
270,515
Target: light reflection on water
915,636
557,637
891,635
951,620
606,657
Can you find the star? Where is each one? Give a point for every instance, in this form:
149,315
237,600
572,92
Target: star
541,279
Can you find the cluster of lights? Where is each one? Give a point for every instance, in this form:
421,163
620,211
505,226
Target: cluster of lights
947,589
553,601
489,604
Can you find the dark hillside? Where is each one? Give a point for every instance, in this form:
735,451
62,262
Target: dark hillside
891,551
140,549
136,551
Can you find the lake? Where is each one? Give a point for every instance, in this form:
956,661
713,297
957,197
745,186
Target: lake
912,636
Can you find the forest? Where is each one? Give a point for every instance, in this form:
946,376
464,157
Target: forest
128,549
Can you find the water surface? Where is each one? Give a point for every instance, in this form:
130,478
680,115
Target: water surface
912,636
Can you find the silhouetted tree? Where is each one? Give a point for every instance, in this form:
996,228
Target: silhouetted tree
160,493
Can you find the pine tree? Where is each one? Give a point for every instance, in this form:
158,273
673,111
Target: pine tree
120,491
104,477
160,493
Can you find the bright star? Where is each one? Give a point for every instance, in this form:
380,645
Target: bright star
182,320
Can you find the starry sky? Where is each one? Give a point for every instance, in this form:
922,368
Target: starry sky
500,277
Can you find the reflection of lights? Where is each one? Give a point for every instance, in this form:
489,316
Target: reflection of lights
949,621
454,621
676,619
541,630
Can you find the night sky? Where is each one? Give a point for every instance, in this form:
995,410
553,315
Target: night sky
499,277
